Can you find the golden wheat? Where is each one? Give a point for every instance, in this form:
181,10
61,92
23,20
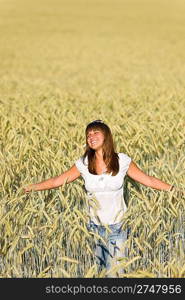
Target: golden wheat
63,67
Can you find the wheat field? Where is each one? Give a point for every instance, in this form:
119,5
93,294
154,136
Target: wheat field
64,64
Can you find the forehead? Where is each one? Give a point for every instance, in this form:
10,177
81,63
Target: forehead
93,129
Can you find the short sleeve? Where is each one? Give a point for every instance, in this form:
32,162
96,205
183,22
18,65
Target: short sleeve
125,161
81,166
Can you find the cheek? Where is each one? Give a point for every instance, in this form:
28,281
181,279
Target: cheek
101,137
103,140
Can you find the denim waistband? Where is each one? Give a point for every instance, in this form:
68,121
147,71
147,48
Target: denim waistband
111,226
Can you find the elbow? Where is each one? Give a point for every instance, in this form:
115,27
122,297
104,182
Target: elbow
59,180
152,182
56,182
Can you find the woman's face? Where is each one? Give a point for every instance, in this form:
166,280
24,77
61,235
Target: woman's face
95,139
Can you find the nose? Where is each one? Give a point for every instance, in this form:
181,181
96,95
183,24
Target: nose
90,136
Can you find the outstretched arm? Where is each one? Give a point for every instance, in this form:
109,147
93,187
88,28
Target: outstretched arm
54,182
137,174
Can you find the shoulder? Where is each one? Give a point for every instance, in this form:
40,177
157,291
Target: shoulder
124,159
81,160
81,164
123,156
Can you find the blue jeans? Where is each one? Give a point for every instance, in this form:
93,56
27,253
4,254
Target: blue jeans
106,253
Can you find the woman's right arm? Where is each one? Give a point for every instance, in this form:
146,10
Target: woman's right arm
54,182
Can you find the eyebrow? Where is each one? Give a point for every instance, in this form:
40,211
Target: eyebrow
92,130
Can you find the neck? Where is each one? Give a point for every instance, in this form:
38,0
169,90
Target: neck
99,154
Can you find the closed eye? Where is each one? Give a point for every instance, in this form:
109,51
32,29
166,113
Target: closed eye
95,132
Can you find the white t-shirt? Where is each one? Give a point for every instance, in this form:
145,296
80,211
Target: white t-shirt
105,199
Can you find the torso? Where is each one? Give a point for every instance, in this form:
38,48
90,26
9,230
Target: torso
100,167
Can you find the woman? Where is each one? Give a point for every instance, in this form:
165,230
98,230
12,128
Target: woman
103,171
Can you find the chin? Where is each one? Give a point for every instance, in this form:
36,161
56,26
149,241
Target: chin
93,147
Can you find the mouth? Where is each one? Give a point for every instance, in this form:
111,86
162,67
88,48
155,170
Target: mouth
93,142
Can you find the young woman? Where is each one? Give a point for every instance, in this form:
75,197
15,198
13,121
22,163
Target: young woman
103,171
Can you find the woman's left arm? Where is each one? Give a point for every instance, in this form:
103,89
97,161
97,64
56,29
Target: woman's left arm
137,174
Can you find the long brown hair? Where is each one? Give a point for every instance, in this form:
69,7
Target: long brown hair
110,157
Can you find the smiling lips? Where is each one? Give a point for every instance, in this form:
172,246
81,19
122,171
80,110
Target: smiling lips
93,142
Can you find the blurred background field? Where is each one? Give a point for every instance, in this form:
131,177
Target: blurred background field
63,64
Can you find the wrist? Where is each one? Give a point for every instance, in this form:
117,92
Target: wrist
33,187
29,188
